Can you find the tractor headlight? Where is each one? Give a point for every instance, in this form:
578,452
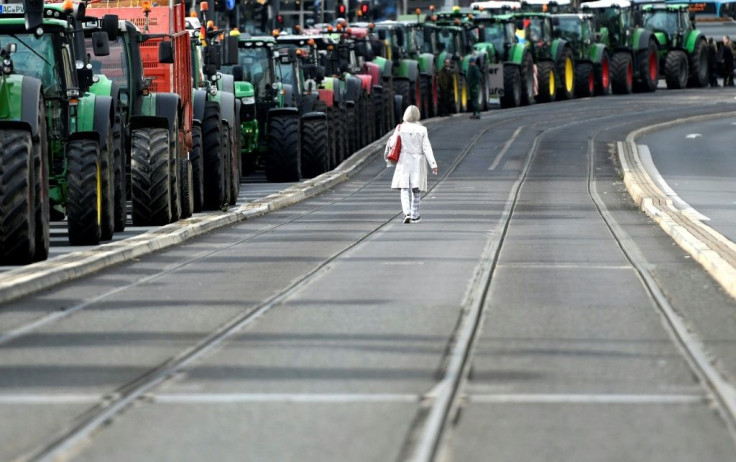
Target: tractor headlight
248,100
6,62
7,69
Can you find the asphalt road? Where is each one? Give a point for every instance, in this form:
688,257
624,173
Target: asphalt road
697,162
329,330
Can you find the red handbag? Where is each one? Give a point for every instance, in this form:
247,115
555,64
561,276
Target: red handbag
393,156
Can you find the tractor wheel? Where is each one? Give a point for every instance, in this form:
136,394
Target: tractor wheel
416,97
352,130
174,167
566,74
388,107
150,177
321,106
511,86
527,79
17,189
213,153
283,162
41,162
424,90
462,86
342,137
227,164
648,68
698,65
235,160
603,76
120,189
196,160
428,90
622,73
84,198
186,181
314,147
675,69
379,117
402,88
107,171
546,82
584,80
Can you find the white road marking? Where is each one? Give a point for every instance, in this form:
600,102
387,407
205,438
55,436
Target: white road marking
175,398
586,399
505,148
50,399
692,136
646,159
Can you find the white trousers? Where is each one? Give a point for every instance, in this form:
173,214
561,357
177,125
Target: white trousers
410,199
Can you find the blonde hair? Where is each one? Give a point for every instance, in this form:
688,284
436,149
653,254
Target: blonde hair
412,114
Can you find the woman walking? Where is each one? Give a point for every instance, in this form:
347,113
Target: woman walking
411,169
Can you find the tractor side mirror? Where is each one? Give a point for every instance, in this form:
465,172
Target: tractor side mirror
166,52
212,56
100,43
110,25
33,13
238,74
11,48
230,50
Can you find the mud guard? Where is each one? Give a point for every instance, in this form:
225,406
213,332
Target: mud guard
227,83
353,85
227,107
31,94
314,116
198,101
103,114
643,40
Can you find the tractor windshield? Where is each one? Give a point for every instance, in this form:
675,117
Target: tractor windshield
569,28
446,41
115,65
661,20
35,57
256,65
496,33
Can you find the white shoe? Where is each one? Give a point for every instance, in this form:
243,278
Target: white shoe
407,219
416,220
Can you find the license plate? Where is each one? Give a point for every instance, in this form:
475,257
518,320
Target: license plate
12,8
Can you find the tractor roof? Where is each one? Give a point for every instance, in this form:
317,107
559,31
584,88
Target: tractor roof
496,5
606,4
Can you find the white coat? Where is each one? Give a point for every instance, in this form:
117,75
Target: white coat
416,153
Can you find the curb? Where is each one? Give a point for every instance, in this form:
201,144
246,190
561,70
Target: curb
715,252
26,280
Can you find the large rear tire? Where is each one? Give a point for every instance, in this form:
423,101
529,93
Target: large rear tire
622,73
527,79
43,206
511,86
698,65
121,184
185,192
174,170
196,159
17,190
676,70
84,192
403,89
584,80
546,82
227,150
603,76
150,177
566,75
284,158
648,68
107,169
214,157
315,152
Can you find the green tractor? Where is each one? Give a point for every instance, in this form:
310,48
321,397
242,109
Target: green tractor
275,145
683,55
634,59
57,137
406,73
518,62
422,47
553,56
592,65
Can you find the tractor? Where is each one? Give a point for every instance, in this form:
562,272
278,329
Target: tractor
634,50
683,55
56,136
